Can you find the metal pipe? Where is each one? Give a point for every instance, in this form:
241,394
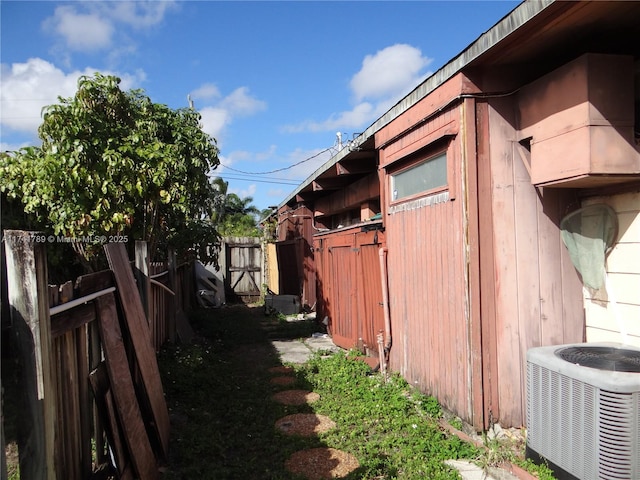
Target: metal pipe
161,285
385,300
63,307
158,275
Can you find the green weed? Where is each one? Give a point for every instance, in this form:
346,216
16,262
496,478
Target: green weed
390,427
218,391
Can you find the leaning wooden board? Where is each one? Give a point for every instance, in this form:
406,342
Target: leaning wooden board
124,395
135,322
106,406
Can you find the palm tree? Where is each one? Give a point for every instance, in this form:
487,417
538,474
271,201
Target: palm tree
234,215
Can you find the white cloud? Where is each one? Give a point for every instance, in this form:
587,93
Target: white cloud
241,103
390,72
383,79
277,193
214,120
305,161
27,87
250,158
358,116
216,117
84,32
250,191
139,14
12,147
94,26
206,91
311,161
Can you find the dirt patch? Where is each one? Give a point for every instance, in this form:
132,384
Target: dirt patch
295,397
282,380
305,424
322,463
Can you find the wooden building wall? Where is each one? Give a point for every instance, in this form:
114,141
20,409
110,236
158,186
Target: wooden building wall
297,269
478,273
427,238
530,290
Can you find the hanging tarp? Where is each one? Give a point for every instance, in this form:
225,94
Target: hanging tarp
589,234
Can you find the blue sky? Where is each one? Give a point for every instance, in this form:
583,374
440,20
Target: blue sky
274,81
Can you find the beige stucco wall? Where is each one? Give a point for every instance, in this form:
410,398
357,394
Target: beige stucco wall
623,270
271,267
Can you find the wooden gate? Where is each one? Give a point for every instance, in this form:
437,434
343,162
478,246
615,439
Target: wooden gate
350,286
243,268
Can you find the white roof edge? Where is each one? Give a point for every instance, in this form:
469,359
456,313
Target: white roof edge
505,27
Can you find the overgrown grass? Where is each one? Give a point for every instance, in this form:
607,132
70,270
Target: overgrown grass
219,395
218,391
390,427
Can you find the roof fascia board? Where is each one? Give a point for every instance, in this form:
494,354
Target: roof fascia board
505,27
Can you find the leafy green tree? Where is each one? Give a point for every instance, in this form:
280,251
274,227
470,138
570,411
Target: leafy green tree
115,163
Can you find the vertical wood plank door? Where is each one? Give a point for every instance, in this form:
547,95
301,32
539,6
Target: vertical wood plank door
140,337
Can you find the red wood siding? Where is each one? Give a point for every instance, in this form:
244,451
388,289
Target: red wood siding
349,286
428,302
537,293
427,261
295,254
478,278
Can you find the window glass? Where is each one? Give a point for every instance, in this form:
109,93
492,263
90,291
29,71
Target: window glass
425,176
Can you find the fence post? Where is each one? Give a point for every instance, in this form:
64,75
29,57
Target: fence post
28,301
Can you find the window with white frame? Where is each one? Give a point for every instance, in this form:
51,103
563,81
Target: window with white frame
429,175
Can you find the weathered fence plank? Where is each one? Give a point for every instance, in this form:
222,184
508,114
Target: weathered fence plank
86,285
28,300
138,332
124,394
72,319
106,406
59,341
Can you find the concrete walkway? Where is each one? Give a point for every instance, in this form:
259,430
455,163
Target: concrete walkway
299,351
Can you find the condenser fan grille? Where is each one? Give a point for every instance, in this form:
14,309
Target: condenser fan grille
603,358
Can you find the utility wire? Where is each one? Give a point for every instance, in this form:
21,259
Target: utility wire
278,182
279,169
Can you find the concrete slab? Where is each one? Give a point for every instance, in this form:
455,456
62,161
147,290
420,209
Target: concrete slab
292,351
321,342
300,350
468,470
471,471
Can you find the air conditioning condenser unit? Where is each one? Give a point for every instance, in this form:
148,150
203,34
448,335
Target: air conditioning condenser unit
583,410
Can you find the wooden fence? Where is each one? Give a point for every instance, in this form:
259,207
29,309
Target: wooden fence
89,380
